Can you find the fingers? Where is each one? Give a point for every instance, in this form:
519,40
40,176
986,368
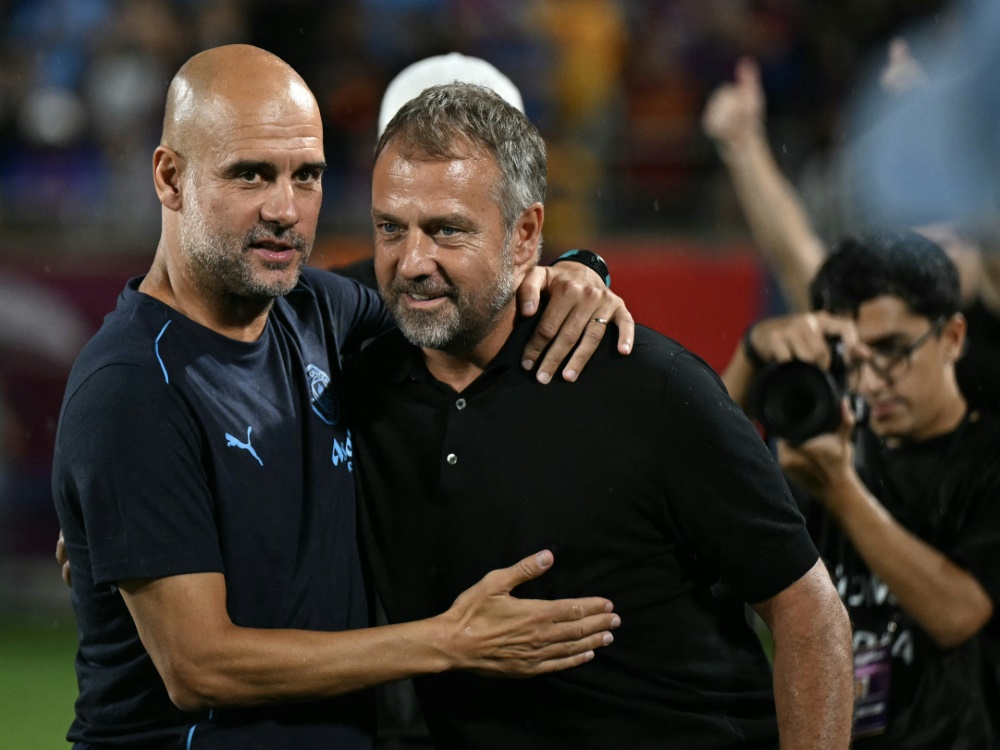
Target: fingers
530,291
575,644
902,71
626,330
505,580
62,557
748,74
551,647
593,334
576,329
847,418
579,610
735,110
803,337
566,323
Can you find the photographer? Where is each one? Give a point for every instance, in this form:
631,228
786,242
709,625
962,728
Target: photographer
909,503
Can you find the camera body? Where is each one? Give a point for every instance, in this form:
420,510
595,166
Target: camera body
797,401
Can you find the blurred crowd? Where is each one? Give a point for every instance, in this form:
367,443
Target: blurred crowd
616,87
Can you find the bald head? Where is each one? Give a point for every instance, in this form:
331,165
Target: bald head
221,90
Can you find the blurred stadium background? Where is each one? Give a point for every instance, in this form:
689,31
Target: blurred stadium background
616,87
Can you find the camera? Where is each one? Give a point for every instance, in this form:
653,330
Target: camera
797,401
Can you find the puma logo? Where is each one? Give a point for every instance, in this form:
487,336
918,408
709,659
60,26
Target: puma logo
234,442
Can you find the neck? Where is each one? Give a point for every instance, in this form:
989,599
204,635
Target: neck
237,318
459,369
945,421
949,418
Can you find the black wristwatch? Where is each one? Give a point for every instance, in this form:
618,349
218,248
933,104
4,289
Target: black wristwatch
591,260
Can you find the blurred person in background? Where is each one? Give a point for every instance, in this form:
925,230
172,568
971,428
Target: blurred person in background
204,473
734,118
906,513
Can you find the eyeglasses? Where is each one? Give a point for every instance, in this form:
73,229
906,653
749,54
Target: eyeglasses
893,361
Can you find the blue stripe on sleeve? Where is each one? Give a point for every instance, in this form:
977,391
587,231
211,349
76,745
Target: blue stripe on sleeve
157,349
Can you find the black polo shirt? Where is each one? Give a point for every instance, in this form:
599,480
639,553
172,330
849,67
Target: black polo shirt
651,488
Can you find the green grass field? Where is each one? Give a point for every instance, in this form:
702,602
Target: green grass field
37,684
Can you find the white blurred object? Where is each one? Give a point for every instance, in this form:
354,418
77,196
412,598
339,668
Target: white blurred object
35,319
124,91
53,117
442,69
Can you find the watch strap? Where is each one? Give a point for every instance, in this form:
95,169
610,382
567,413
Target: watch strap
592,260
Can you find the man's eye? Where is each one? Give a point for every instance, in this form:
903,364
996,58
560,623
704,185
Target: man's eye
448,231
308,175
387,227
250,175
891,352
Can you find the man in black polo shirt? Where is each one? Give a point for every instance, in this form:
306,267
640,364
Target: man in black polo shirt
644,477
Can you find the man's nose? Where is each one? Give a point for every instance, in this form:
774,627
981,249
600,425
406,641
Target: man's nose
279,205
870,380
418,255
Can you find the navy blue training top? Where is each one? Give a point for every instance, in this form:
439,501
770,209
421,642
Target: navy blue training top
180,450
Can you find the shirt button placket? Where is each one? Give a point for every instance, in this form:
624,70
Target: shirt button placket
451,458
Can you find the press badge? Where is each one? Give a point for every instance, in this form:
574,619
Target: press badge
872,670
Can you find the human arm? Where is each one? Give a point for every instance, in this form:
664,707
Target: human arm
734,118
207,661
739,516
813,676
945,600
577,296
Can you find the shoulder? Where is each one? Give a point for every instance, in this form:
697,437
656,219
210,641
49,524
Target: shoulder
128,336
665,358
323,298
381,357
322,282
327,288
980,438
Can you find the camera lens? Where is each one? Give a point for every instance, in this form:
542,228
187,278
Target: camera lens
796,401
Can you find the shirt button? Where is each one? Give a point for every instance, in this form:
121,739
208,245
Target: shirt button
452,459
460,404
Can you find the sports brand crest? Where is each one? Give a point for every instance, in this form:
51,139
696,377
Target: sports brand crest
324,403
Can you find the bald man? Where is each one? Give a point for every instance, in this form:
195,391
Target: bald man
203,473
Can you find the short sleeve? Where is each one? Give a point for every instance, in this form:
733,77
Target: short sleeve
129,466
726,494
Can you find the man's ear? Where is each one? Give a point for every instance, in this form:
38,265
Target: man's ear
953,334
167,177
528,235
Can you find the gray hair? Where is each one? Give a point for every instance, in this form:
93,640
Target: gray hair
442,118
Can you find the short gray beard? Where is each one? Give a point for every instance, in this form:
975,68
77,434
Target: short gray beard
461,326
221,262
